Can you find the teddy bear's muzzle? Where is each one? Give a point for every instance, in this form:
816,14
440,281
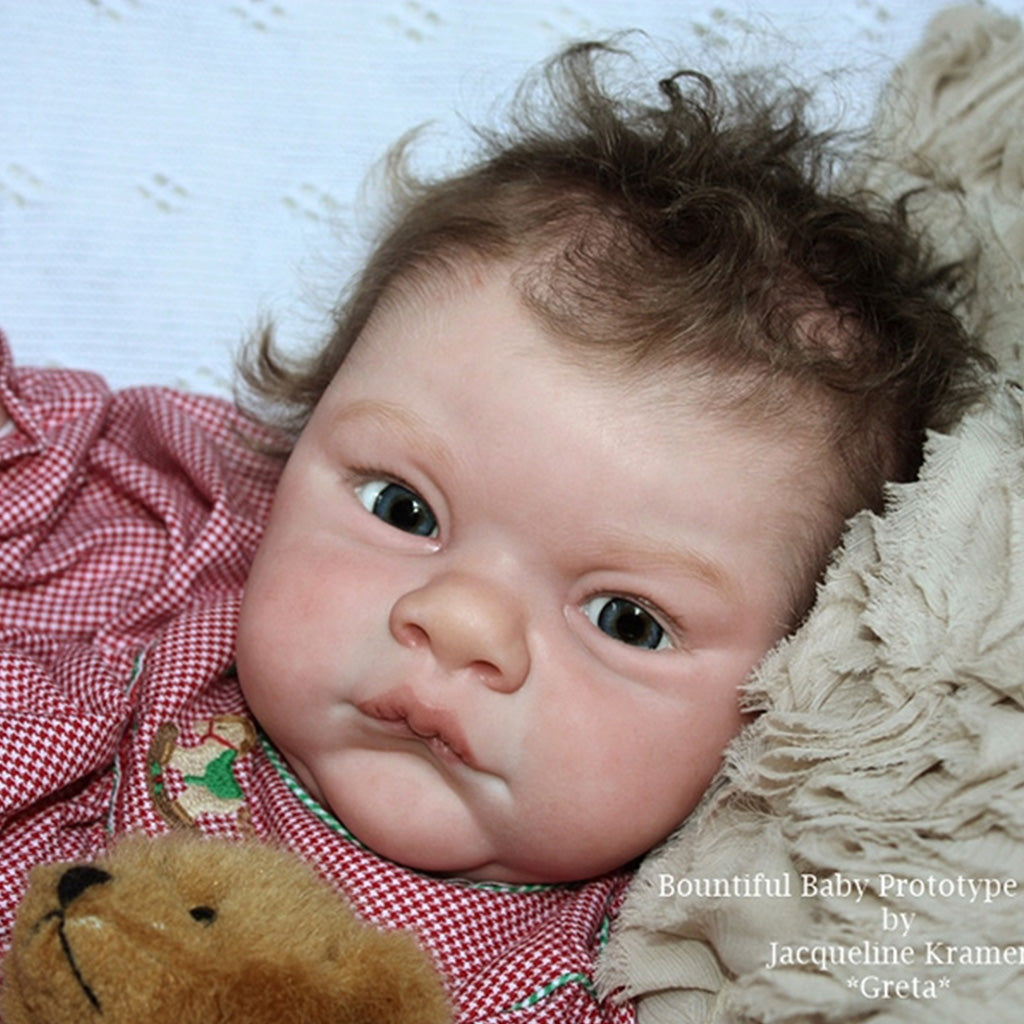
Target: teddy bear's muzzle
76,880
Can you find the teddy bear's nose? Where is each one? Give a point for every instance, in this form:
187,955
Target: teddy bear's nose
76,880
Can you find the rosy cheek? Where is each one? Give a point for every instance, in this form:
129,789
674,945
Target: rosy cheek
270,613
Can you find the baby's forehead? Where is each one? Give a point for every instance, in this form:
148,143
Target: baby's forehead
749,398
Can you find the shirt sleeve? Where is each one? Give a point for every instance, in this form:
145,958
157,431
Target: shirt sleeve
118,511
59,718
52,418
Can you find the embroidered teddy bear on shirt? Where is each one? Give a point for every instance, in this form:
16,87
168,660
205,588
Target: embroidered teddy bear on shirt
187,781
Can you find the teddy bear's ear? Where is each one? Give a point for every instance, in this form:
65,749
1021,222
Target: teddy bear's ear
262,993
388,978
372,982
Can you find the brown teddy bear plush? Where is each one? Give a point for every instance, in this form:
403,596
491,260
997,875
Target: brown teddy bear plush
187,930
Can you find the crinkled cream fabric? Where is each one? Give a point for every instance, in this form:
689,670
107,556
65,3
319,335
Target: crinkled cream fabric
954,118
891,744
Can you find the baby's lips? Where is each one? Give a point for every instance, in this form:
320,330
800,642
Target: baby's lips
422,721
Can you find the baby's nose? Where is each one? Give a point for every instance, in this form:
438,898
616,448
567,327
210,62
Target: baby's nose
76,880
468,623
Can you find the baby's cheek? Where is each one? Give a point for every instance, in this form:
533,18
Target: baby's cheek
261,650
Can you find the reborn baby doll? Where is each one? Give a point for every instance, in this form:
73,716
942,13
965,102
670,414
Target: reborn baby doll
570,464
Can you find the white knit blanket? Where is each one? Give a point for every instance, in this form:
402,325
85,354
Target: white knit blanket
172,172
866,836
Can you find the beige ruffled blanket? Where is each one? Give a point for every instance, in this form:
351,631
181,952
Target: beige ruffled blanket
861,856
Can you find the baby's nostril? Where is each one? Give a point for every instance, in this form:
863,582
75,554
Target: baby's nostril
76,880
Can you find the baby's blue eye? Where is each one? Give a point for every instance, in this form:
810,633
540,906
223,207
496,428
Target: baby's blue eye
398,506
626,621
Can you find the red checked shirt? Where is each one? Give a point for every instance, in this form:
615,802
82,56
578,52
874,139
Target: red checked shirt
127,524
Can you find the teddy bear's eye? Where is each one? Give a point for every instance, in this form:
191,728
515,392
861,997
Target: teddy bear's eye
204,915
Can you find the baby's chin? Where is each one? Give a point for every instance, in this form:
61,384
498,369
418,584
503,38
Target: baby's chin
442,861
426,851
433,855
456,848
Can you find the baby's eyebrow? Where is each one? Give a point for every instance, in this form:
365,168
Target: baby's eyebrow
415,431
638,552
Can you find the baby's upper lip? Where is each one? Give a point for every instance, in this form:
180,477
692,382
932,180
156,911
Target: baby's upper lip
424,720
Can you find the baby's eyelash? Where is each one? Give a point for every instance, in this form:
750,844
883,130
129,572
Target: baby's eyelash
356,475
634,621
359,476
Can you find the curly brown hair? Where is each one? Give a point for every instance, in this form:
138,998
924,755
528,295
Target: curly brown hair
699,227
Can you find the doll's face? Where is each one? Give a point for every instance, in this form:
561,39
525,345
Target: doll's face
503,607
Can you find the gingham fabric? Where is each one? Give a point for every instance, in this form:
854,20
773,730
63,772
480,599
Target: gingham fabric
127,523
